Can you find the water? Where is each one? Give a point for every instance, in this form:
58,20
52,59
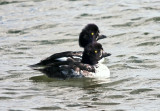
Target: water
32,30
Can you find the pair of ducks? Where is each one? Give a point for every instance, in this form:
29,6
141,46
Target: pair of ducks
75,64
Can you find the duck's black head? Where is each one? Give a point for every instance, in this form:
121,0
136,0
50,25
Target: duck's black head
92,53
89,34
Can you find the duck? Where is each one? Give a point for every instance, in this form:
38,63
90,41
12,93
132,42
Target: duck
89,34
88,67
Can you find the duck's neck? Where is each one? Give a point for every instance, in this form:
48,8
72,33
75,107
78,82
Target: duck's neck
86,59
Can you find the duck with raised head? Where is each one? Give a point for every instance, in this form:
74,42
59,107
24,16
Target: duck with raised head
88,67
89,34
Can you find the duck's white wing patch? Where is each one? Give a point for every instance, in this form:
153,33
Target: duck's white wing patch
66,58
77,57
62,59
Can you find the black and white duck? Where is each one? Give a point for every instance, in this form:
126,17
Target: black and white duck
89,34
88,67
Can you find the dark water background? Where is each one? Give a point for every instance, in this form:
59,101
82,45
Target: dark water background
31,30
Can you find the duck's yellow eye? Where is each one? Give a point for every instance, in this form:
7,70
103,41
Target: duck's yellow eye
95,51
92,33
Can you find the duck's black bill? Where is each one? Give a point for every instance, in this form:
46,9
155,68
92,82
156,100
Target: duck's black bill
105,54
101,37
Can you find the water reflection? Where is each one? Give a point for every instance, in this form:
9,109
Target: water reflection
72,82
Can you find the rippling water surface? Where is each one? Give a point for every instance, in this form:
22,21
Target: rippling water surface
31,30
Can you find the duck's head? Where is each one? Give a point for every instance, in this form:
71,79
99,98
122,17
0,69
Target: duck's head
89,34
92,53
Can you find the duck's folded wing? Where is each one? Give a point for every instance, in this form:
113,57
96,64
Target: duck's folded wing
63,56
85,67
66,69
54,70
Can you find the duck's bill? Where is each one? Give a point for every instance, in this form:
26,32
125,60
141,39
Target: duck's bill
101,37
105,54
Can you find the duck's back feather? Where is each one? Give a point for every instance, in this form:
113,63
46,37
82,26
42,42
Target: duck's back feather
63,56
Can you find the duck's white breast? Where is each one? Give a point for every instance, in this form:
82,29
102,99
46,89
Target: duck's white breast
102,71
101,61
